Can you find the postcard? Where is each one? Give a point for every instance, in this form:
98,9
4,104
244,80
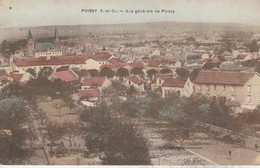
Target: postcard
130,82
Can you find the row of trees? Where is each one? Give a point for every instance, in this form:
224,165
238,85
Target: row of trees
197,108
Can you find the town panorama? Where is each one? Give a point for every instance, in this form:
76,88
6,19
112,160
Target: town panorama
165,93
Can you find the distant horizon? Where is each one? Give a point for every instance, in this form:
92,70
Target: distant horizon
184,22
31,13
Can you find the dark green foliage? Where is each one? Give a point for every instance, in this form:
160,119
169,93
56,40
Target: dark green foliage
250,63
62,68
151,73
166,71
10,47
122,72
252,46
12,137
107,72
117,143
131,91
137,71
210,65
45,72
194,74
148,106
93,72
182,72
32,72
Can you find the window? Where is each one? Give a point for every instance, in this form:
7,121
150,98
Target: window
232,97
160,81
249,99
129,82
199,88
232,88
249,89
207,88
224,87
214,87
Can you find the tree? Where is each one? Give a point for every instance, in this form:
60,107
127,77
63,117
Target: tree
12,136
137,71
93,72
107,72
182,72
166,71
253,47
131,91
31,71
250,63
62,68
122,72
151,73
71,131
210,65
45,72
194,73
115,142
54,132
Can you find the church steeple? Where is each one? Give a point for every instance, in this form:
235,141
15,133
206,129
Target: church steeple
30,44
56,34
29,34
56,42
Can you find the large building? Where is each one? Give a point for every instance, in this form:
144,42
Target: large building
240,87
51,48
79,61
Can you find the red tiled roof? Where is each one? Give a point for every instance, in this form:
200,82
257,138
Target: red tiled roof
136,80
3,78
207,60
16,77
58,60
93,81
123,65
174,82
89,93
241,56
156,63
67,76
115,61
162,76
228,78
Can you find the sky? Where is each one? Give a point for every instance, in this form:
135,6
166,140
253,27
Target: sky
23,13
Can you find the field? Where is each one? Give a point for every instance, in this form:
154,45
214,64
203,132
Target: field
214,150
58,111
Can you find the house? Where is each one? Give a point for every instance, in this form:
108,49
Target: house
158,79
89,94
18,77
135,81
239,87
183,87
65,76
95,82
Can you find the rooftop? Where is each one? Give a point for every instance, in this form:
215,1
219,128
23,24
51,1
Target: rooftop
228,78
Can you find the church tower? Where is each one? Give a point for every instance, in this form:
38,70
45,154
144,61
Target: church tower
30,44
56,41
